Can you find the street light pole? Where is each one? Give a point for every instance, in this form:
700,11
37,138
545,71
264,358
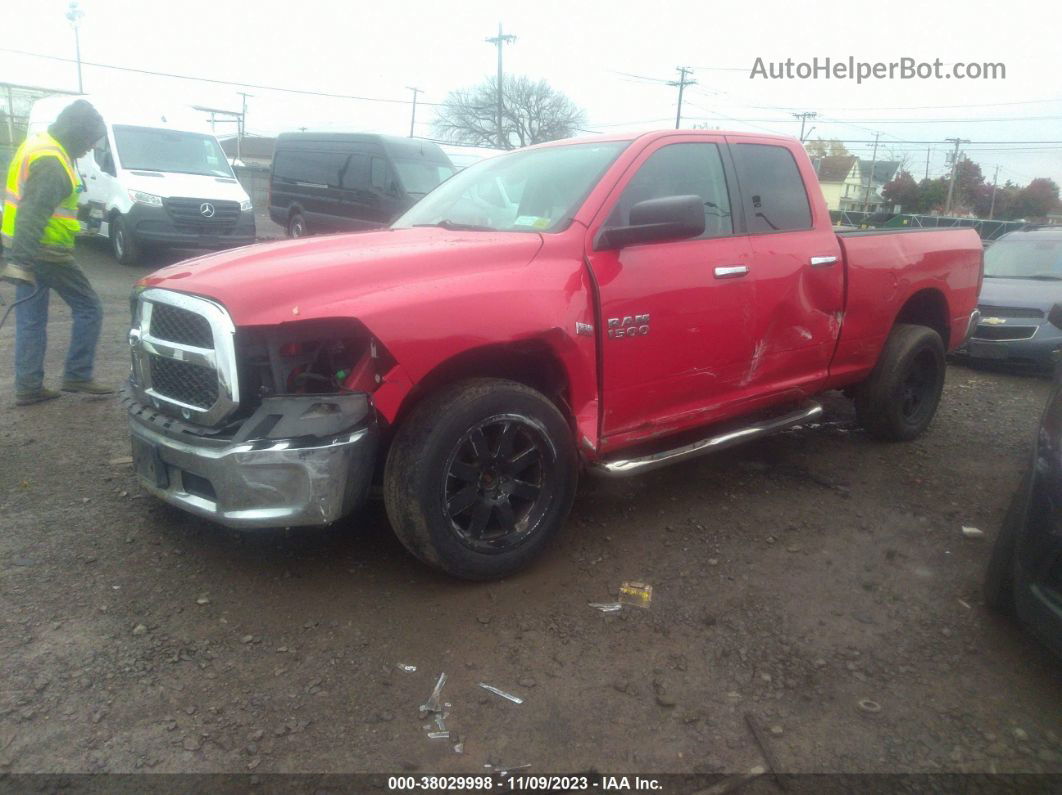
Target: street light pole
73,16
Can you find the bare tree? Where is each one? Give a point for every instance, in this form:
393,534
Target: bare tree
532,113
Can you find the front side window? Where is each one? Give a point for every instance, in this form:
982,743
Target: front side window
537,190
685,169
420,177
170,151
771,188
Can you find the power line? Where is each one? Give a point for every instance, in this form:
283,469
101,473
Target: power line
259,86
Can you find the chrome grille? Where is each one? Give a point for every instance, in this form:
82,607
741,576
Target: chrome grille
184,356
187,383
1010,311
174,324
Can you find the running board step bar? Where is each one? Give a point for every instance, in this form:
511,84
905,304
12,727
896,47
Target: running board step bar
625,467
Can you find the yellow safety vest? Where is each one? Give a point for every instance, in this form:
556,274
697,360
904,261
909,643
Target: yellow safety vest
57,239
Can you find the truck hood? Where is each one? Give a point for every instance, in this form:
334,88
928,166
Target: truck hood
1021,293
194,186
351,275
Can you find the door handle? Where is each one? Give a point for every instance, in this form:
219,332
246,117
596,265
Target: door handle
731,271
822,262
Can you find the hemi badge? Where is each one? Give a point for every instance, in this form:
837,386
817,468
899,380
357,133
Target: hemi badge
584,329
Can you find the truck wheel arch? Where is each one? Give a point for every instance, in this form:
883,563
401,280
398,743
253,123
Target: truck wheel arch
532,363
927,307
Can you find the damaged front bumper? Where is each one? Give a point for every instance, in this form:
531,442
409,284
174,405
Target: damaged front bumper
297,461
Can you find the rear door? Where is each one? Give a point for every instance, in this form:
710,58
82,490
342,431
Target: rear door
677,315
797,267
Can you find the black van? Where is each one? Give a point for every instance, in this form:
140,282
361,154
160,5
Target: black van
341,182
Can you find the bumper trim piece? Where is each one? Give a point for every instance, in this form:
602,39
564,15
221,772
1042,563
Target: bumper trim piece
261,483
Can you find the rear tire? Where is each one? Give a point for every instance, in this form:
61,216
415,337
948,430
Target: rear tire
126,248
899,399
297,226
480,477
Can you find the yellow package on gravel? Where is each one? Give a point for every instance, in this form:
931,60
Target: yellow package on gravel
637,594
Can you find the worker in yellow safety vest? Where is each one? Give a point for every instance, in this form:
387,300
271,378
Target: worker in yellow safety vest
39,227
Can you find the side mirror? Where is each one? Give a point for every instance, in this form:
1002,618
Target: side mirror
1054,317
108,165
654,220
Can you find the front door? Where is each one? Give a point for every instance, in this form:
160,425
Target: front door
677,315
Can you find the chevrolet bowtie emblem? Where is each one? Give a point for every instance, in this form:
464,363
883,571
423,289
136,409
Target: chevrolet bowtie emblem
994,321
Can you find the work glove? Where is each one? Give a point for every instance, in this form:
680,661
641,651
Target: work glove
17,274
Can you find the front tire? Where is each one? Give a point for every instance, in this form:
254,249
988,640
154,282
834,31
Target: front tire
900,398
480,477
126,248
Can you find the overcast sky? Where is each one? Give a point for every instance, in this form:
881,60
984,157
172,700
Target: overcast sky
588,50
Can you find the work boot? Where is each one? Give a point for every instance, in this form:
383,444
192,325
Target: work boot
91,387
37,396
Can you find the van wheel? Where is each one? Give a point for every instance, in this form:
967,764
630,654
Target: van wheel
480,477
297,226
127,249
899,399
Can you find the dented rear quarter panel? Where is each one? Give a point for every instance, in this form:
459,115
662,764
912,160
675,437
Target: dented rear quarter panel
883,271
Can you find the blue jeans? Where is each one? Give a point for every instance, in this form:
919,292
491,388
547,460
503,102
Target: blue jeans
31,322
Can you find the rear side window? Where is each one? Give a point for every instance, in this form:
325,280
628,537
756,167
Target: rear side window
680,170
319,168
771,188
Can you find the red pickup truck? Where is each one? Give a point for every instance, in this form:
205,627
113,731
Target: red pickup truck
609,304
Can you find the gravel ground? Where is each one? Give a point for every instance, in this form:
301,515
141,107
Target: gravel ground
793,579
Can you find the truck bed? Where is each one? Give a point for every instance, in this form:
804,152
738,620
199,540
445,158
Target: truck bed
885,269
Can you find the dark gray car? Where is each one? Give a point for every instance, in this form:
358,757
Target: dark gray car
1023,281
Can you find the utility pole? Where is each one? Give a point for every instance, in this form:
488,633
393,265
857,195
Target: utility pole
954,170
413,118
870,176
682,82
242,125
803,119
929,151
995,180
498,41
73,16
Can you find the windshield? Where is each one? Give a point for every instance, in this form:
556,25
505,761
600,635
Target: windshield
422,176
172,151
531,191
1024,259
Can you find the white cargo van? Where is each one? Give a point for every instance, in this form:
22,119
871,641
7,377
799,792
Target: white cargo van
158,178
